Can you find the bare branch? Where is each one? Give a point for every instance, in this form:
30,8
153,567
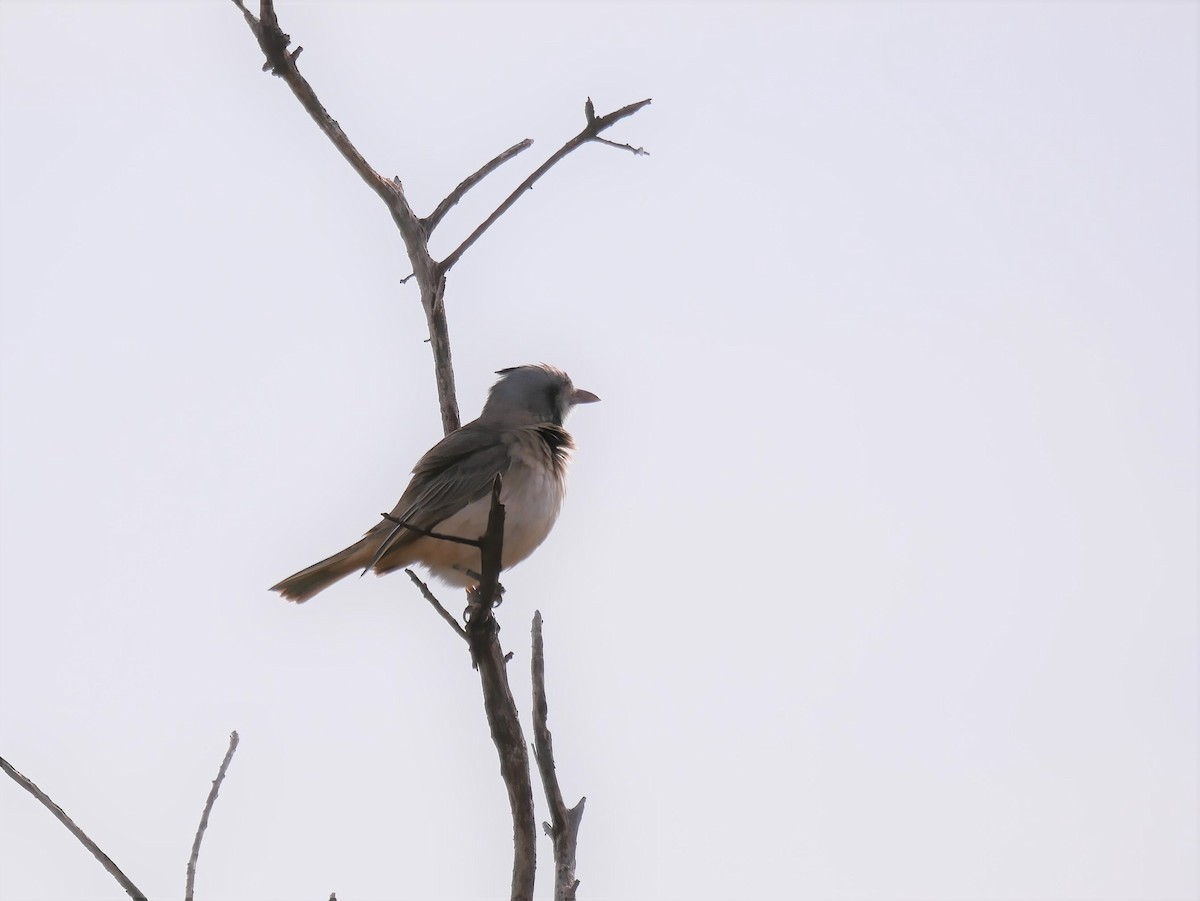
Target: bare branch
591,131
439,342
208,806
563,827
433,219
505,728
437,605
274,43
130,889
414,231
482,630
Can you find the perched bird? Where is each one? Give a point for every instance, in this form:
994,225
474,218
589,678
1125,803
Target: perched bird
520,435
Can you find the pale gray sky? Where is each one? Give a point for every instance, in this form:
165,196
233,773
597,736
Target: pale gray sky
877,577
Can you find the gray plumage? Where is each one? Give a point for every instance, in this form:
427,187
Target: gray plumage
520,435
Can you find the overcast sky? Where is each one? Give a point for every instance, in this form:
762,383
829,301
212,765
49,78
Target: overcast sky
877,577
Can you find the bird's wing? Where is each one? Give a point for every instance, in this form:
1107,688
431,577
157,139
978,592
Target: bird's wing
455,472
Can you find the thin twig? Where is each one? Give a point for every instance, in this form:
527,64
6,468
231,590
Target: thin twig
386,544
130,889
405,524
433,219
595,125
437,605
563,827
208,806
636,151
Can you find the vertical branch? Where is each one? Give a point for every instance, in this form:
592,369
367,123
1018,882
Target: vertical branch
563,827
433,302
105,861
506,733
499,704
208,806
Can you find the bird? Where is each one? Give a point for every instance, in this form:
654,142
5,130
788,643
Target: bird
520,435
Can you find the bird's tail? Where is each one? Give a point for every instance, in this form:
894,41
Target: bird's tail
316,578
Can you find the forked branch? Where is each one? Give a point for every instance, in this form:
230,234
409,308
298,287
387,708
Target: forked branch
591,132
414,231
430,275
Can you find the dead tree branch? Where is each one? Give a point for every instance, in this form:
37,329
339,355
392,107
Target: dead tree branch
563,827
499,704
130,889
208,806
414,231
274,43
481,631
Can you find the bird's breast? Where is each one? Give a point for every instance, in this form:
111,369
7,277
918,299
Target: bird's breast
532,494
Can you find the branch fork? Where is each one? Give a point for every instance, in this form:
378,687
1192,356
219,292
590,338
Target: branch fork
481,631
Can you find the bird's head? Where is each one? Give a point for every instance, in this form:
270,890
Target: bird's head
533,393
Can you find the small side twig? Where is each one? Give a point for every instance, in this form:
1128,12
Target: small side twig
130,889
431,221
437,605
386,544
636,151
405,524
208,806
563,827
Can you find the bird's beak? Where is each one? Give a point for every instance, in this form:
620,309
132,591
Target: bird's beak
579,396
